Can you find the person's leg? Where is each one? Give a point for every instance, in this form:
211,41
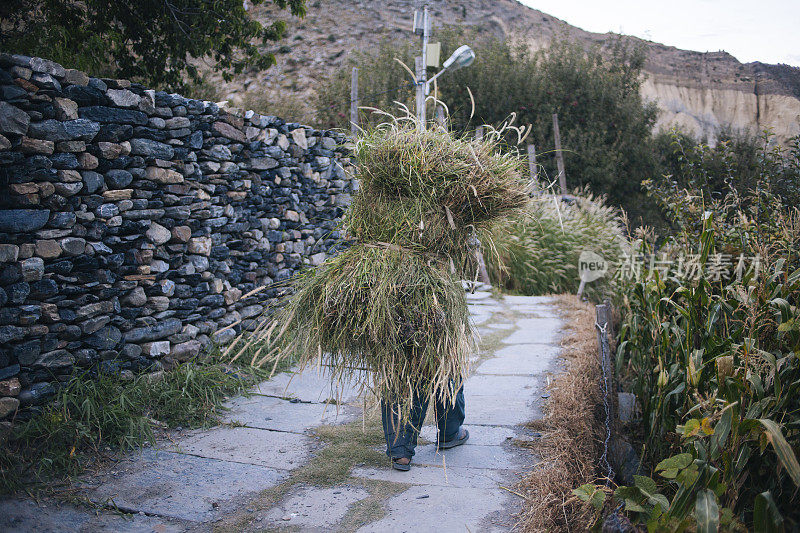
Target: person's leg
401,439
450,416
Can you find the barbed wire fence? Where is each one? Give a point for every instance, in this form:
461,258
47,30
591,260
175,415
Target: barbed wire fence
604,328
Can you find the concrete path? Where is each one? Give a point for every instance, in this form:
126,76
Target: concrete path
288,459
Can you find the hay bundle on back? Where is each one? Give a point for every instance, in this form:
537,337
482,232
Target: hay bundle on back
389,312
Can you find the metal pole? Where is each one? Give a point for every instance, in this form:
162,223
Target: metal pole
562,176
354,101
420,95
421,64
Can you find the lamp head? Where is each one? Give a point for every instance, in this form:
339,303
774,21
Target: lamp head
462,57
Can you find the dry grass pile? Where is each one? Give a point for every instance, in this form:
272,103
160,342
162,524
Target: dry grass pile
389,312
571,432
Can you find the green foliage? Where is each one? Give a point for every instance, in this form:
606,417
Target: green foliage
152,41
605,126
381,82
713,359
537,252
737,164
92,415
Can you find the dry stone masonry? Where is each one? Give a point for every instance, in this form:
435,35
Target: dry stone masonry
134,223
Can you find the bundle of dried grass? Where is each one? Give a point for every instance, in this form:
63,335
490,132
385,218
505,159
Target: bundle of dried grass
389,312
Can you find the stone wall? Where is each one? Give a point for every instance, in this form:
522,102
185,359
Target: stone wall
134,223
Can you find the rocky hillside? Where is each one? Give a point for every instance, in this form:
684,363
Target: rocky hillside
701,92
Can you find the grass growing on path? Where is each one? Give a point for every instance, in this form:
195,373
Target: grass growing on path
342,447
571,430
91,418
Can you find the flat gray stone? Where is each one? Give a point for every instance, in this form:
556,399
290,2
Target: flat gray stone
501,325
486,306
510,387
437,476
478,295
308,386
181,486
478,435
483,457
273,449
499,411
24,516
444,510
267,412
479,318
536,331
512,300
313,508
521,360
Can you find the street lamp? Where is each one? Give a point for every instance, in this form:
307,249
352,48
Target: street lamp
462,57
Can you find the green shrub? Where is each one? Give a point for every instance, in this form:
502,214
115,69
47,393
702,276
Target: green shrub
538,252
713,358
605,126
90,415
737,163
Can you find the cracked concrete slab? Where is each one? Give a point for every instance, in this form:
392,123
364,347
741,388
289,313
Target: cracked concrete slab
513,301
494,385
452,476
536,331
498,412
312,509
24,516
478,435
267,412
308,386
483,457
274,449
181,486
443,509
520,360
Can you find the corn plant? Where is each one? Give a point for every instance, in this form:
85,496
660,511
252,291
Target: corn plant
714,365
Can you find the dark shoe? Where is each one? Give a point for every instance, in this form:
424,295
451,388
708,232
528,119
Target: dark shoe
463,435
402,466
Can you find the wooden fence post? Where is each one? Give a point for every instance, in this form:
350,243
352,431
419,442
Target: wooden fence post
562,176
604,329
354,101
534,169
440,118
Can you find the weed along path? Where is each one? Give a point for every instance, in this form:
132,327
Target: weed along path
288,459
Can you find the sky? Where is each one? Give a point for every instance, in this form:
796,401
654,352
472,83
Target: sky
763,30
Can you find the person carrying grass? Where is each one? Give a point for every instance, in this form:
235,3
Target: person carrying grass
389,312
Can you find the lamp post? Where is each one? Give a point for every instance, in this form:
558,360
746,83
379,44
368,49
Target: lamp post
462,57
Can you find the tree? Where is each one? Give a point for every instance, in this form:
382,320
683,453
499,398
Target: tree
152,41
605,126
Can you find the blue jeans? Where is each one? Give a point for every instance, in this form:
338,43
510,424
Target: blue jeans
401,441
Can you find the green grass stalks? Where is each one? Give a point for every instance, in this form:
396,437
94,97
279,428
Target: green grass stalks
537,252
97,416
